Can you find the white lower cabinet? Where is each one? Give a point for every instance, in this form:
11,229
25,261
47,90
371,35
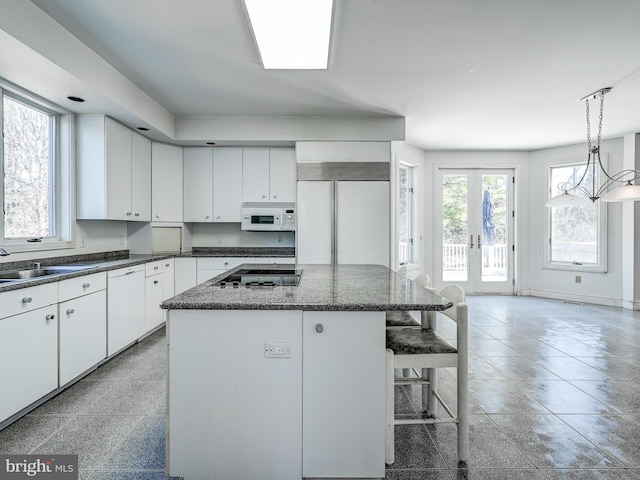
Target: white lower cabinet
185,274
209,267
28,358
272,260
343,394
154,286
83,334
126,310
225,425
318,413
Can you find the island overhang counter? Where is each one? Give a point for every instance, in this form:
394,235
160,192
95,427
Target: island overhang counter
283,382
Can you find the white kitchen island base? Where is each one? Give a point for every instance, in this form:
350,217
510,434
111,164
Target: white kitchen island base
316,412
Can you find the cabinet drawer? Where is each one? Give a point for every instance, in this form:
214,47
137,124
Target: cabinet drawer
277,260
221,263
27,299
159,266
76,287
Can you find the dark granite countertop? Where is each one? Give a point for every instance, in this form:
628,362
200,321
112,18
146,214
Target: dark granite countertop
100,262
105,261
243,252
321,287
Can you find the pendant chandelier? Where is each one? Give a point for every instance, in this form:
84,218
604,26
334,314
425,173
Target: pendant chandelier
628,191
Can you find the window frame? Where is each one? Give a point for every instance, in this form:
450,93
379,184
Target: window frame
411,215
62,134
601,265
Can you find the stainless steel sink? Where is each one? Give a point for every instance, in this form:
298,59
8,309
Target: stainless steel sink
31,273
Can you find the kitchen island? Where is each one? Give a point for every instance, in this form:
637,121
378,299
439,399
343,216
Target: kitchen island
283,382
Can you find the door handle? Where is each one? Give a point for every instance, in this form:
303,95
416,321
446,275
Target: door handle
479,241
471,238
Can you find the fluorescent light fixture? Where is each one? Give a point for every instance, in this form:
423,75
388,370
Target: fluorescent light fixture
292,34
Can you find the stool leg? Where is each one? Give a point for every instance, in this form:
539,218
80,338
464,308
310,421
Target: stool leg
429,402
463,384
389,453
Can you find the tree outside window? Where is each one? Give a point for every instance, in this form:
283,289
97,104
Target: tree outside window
574,232
28,170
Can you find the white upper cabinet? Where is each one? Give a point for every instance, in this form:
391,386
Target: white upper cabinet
140,177
255,174
198,184
282,175
212,184
227,184
114,171
268,175
166,183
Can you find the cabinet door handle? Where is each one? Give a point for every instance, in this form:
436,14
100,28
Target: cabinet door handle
70,311
157,216
319,328
167,265
86,285
471,241
218,217
129,273
51,316
264,196
128,214
27,299
137,214
206,217
275,196
479,244
156,267
155,282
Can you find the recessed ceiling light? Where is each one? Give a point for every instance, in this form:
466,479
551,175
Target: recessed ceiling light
76,99
211,143
292,34
143,129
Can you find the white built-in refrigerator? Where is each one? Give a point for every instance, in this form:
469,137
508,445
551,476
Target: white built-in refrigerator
343,222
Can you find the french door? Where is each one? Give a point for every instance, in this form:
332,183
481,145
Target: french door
474,230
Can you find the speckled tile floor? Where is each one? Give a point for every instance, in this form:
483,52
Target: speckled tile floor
554,387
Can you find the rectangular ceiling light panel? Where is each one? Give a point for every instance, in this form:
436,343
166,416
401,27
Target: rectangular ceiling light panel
292,34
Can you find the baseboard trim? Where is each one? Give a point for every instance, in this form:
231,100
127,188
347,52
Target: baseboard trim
572,297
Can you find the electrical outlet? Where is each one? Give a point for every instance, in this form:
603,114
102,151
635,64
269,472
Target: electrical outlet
578,279
277,350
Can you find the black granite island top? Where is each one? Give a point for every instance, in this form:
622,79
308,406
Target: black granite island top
321,288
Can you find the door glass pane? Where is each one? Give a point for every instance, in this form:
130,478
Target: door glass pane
494,228
455,228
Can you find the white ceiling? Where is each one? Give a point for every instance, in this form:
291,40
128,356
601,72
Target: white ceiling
466,74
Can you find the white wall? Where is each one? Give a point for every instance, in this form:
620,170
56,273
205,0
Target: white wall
230,235
602,288
91,236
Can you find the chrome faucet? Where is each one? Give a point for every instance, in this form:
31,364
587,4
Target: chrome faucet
3,252
36,265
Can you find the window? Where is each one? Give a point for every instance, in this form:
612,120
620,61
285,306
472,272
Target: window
575,234
406,215
34,172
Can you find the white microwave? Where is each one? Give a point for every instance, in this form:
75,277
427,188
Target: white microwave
269,217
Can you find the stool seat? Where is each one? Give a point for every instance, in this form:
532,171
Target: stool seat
417,341
401,319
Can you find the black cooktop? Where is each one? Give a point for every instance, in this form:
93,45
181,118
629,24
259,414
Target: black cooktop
261,277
